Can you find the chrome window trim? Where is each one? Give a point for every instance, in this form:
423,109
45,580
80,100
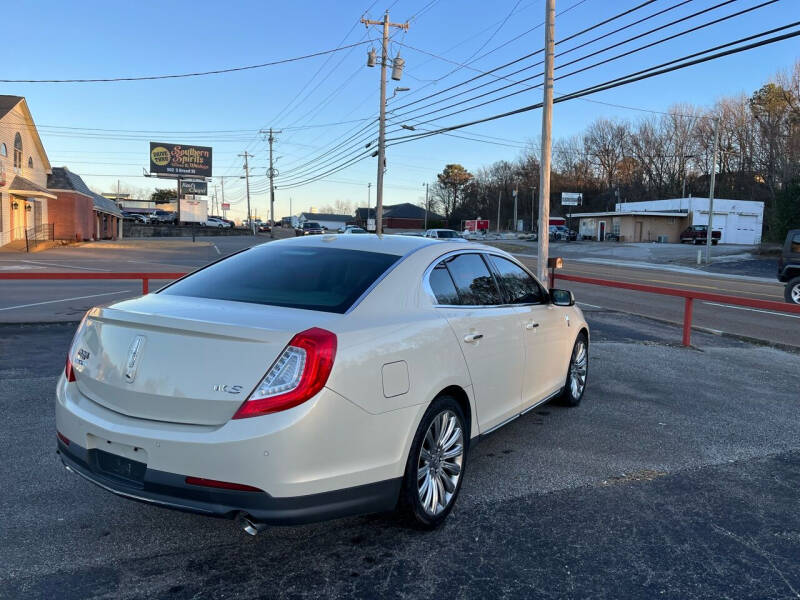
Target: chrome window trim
426,285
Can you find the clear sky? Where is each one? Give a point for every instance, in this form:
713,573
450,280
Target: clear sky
102,39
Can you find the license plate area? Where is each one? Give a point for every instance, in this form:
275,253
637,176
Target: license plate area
119,467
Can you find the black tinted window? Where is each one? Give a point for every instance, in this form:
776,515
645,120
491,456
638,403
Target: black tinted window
473,280
518,286
325,279
442,285
447,234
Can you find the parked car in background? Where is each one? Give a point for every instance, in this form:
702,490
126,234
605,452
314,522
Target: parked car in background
562,232
135,217
698,234
163,216
286,222
215,222
264,227
352,229
789,266
309,228
230,222
311,379
444,234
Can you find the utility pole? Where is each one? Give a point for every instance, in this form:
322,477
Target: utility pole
426,206
499,202
547,132
222,189
382,121
516,194
250,223
710,231
272,173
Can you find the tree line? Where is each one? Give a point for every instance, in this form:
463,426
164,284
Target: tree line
657,156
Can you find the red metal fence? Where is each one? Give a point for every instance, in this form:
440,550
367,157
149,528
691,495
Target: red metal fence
689,296
145,277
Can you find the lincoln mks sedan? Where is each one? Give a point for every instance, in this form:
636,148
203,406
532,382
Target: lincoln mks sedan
316,377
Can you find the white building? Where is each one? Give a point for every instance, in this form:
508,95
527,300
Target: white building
740,221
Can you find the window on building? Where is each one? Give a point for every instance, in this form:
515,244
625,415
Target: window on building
30,162
3,150
615,227
17,151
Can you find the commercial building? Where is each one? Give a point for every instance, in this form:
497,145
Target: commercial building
740,221
78,213
330,221
632,226
400,216
24,168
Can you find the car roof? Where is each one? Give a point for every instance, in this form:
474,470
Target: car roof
369,242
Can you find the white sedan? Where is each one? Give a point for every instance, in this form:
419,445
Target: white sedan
351,378
215,222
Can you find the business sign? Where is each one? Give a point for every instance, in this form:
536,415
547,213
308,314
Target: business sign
197,188
371,225
571,199
177,160
226,206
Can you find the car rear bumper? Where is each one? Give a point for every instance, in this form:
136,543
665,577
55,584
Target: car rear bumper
170,490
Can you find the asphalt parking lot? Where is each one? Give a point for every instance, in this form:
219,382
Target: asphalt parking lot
678,477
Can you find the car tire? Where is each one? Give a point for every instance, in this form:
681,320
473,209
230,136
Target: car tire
577,373
792,291
433,454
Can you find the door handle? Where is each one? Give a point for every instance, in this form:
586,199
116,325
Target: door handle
531,325
472,337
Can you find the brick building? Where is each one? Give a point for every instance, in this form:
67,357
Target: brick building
77,212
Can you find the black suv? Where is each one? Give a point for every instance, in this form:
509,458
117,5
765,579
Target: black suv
789,266
309,228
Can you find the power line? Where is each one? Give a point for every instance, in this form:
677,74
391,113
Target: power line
184,75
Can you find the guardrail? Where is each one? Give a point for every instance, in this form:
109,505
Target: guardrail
145,277
689,297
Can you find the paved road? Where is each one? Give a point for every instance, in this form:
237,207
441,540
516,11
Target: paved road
677,477
35,301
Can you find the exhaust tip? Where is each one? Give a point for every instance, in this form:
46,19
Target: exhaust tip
249,526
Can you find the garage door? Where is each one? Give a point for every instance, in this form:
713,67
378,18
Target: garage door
748,230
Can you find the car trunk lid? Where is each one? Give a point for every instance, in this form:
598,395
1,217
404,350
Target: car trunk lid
181,359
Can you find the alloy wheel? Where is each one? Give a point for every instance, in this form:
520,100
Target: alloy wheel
577,369
440,462
796,293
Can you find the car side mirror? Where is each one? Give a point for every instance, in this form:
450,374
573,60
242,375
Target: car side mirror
562,297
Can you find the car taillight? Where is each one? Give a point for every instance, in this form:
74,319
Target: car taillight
300,372
69,372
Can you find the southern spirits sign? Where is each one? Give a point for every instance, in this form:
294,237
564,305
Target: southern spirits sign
177,160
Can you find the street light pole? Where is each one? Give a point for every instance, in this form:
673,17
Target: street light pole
250,223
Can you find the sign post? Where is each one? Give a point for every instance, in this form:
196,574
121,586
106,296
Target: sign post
571,199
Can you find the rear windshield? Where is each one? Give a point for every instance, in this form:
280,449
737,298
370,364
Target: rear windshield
446,233
324,279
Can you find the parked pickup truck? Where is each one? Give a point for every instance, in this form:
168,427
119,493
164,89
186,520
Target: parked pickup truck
698,234
789,266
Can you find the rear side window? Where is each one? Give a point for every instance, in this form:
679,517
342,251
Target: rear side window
794,248
311,278
518,286
473,281
442,285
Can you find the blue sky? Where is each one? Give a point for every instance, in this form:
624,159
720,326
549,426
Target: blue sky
101,39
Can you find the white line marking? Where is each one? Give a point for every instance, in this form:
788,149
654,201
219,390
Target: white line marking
40,262
64,300
18,268
758,310
217,249
589,305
